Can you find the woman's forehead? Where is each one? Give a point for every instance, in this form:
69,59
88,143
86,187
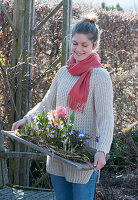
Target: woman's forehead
80,37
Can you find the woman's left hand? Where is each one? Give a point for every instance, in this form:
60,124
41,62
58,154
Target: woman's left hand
99,160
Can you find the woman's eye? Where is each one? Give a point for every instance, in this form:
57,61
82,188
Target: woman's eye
82,45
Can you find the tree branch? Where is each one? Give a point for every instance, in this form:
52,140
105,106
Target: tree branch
39,26
45,73
8,18
5,72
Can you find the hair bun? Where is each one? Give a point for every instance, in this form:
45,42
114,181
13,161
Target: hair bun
91,17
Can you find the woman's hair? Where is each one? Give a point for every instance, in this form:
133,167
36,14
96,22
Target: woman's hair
87,26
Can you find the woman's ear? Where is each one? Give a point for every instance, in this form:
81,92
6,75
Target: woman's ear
95,44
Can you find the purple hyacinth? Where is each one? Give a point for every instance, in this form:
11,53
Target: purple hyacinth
87,143
97,139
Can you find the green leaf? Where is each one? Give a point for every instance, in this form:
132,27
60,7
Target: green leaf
61,118
72,118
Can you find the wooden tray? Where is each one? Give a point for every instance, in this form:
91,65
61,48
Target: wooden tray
79,166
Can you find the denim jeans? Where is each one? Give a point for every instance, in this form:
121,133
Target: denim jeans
73,191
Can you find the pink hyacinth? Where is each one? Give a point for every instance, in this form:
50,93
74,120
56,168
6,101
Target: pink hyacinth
60,111
52,116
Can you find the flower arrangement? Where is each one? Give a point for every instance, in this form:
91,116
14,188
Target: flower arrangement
55,131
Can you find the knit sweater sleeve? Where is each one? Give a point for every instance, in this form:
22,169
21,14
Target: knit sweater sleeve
104,109
49,100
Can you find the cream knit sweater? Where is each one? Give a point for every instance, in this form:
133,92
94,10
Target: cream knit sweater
97,119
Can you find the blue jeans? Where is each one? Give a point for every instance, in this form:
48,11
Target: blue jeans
73,191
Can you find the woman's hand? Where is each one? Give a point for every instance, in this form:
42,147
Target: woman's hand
99,160
18,124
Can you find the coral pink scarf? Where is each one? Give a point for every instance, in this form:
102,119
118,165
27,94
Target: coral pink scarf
77,96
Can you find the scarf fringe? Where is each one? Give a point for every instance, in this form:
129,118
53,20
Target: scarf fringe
75,105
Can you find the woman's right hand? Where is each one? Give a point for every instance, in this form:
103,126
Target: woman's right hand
18,124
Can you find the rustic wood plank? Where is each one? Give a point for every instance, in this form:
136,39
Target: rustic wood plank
1,149
22,171
76,165
16,164
66,30
4,171
11,163
28,167
25,155
23,19
27,53
1,182
69,28
3,164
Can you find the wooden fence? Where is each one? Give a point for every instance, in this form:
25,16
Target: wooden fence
23,29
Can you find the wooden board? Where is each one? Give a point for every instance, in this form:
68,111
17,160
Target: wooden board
46,152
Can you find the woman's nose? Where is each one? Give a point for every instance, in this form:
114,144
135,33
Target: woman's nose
79,48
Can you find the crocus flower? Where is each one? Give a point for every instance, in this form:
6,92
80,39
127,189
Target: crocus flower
52,131
32,118
60,127
64,141
51,135
36,128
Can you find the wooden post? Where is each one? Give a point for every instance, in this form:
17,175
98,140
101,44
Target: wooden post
1,147
66,30
22,52
24,167
11,164
3,164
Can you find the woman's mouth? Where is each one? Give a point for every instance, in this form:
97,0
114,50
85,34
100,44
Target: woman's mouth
79,54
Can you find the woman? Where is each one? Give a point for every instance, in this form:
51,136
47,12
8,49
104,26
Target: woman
84,86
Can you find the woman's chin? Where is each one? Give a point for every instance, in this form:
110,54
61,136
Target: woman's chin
79,59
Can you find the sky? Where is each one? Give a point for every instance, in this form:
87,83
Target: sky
125,4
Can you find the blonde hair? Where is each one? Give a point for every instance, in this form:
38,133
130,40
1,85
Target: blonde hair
90,17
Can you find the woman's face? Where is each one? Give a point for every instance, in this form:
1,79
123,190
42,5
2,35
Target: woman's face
81,47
